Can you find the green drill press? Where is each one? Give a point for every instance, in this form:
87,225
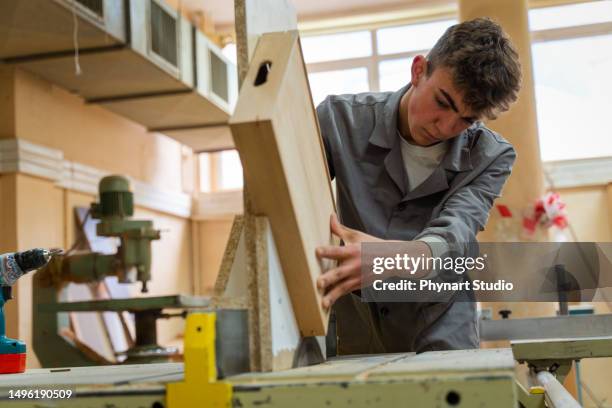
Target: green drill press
54,347
131,263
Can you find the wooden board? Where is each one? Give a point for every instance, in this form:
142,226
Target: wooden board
276,132
250,269
257,17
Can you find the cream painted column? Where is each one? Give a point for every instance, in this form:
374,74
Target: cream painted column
519,126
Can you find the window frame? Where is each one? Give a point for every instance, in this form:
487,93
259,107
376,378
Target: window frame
372,62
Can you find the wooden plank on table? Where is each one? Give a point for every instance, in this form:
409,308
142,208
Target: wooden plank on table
345,368
110,374
448,362
276,132
568,349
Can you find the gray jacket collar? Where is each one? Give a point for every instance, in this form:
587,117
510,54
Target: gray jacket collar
457,158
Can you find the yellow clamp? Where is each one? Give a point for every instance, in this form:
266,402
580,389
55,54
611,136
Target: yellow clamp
200,387
536,389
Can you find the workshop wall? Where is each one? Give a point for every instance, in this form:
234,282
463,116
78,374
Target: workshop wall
50,116
589,211
36,211
212,239
7,113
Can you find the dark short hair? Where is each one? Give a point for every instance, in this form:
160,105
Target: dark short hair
484,63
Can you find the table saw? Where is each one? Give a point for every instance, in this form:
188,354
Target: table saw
451,378
464,378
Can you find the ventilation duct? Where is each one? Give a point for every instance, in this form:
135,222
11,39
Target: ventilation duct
148,64
31,28
197,118
158,59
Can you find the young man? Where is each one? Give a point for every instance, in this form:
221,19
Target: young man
417,165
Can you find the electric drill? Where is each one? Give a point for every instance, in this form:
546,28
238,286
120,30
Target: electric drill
13,266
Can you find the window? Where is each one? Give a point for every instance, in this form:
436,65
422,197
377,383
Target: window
205,172
353,80
393,74
348,63
572,61
570,15
220,171
573,88
337,46
412,37
230,170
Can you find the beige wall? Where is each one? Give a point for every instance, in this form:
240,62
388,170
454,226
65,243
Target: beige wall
588,209
36,212
212,237
7,113
50,116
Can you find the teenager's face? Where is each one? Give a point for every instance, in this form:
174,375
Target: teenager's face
434,106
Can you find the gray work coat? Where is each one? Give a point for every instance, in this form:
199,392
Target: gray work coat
363,151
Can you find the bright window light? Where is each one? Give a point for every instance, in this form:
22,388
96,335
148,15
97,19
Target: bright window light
414,37
394,73
338,82
573,88
570,15
334,47
205,182
230,170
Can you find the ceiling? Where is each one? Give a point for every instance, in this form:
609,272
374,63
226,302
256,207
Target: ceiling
222,11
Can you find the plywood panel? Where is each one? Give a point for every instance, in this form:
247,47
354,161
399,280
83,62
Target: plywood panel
276,132
253,18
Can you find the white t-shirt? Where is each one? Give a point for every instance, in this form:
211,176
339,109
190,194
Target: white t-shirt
421,161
